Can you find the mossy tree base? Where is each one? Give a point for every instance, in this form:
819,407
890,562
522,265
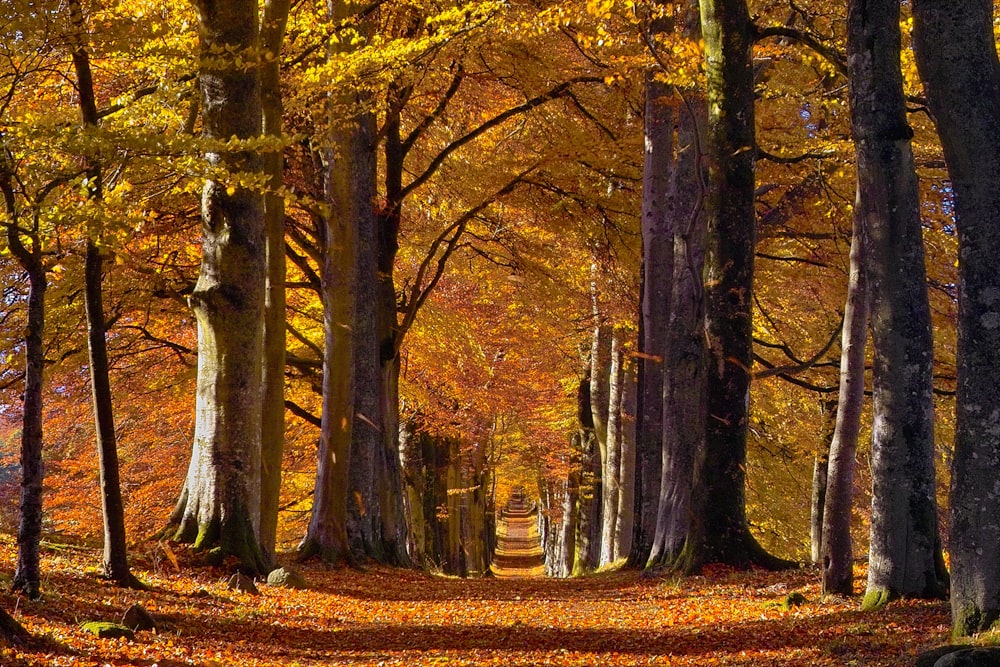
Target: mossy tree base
972,621
236,540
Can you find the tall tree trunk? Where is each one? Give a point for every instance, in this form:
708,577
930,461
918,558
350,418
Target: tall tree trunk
567,539
115,560
588,507
275,17
220,503
612,469
27,574
957,58
657,278
905,546
836,552
683,399
393,524
720,532
821,464
363,526
349,196
626,478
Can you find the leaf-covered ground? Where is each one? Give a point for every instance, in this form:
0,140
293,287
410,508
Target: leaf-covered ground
392,617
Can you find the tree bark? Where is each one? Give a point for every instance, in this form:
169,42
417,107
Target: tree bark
836,551
115,560
275,18
364,511
957,58
27,573
683,399
612,468
219,506
657,278
349,187
905,546
820,481
626,478
720,532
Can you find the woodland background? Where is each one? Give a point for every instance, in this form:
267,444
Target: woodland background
520,127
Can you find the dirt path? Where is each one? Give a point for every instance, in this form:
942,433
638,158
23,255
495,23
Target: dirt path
519,546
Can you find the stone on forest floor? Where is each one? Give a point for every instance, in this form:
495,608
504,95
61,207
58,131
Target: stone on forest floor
286,578
970,657
137,618
242,583
107,630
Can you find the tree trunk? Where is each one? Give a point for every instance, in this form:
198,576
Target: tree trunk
27,575
836,552
905,546
220,503
626,478
957,58
683,399
612,469
720,532
349,195
657,277
363,529
821,462
567,539
275,17
115,560
588,507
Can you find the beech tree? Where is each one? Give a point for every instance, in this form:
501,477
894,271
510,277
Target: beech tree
836,555
957,59
904,556
219,506
272,34
719,530
115,561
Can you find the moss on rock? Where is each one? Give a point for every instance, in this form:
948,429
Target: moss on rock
107,630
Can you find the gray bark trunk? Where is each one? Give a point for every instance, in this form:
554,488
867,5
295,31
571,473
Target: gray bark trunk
275,17
683,399
836,551
567,539
720,532
363,529
904,546
657,278
957,58
349,194
626,478
611,487
115,559
27,573
821,463
220,503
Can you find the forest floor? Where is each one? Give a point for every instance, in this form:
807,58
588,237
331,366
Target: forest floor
383,616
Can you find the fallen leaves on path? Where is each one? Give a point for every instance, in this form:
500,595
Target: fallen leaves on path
402,617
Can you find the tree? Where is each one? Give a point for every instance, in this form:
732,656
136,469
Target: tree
957,59
904,556
27,576
219,506
836,552
719,531
655,288
272,34
115,561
